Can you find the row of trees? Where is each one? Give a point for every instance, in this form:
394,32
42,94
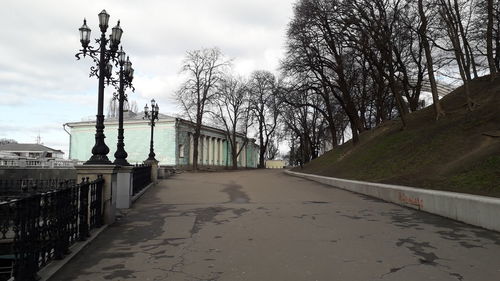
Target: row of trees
350,65
357,63
233,103
7,141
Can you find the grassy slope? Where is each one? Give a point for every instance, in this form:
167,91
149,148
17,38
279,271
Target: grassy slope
450,154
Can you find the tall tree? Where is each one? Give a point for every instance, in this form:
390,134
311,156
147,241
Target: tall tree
231,108
318,47
7,141
203,69
489,38
451,17
265,108
438,110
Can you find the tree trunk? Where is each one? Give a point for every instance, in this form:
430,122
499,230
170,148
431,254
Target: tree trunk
400,104
438,110
489,40
234,157
469,56
196,137
262,148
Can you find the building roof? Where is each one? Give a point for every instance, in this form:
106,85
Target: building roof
135,117
27,147
127,117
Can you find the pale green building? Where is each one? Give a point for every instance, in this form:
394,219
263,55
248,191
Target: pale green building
173,142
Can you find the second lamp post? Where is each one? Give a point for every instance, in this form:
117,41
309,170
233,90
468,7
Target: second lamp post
152,117
126,75
102,56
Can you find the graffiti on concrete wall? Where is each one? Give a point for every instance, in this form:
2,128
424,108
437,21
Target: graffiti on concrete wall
411,200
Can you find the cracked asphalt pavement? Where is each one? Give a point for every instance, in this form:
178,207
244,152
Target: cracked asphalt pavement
264,225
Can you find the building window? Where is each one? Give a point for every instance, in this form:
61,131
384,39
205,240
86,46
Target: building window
181,151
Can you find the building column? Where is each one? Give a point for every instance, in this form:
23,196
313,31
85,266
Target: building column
207,139
200,150
244,157
209,151
222,163
205,149
214,141
212,151
191,148
217,151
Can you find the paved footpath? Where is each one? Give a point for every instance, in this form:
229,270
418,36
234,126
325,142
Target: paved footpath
264,225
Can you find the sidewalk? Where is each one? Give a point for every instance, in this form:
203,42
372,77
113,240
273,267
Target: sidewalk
267,226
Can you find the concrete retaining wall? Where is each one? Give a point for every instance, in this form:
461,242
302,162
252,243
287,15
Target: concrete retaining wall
472,209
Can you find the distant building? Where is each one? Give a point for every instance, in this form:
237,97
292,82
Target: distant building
275,164
173,142
31,155
30,150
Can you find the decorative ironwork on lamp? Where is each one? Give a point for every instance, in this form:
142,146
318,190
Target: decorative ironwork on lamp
104,58
125,81
152,116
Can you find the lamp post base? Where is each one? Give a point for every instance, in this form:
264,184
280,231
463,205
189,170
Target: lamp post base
151,161
121,162
98,159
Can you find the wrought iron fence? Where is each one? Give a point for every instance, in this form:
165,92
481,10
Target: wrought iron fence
41,227
141,178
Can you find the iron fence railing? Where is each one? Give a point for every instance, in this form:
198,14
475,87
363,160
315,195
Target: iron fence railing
141,178
41,227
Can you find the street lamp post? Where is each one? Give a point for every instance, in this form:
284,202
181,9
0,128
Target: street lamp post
102,58
126,75
152,117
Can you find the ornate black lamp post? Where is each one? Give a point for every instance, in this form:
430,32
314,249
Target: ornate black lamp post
152,117
102,57
126,74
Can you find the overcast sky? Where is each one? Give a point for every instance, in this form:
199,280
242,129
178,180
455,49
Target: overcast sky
43,86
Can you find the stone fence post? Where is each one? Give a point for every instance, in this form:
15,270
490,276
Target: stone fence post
109,174
124,187
154,169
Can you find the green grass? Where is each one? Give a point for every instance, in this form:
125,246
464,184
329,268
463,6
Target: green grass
449,154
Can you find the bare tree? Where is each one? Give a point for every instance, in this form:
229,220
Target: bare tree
272,149
231,108
133,107
318,49
203,68
264,107
429,61
112,108
451,16
7,141
489,38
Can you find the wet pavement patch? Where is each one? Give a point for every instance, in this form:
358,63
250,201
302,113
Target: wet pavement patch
466,235
239,212
420,249
116,266
353,217
120,274
204,215
315,202
235,194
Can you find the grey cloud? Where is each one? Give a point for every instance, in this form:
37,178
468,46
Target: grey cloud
40,38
